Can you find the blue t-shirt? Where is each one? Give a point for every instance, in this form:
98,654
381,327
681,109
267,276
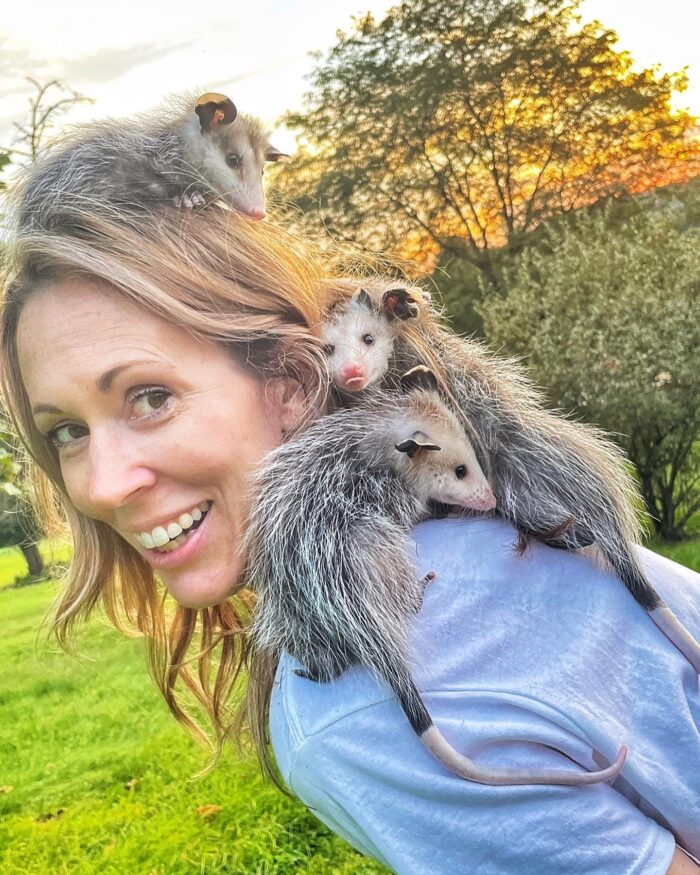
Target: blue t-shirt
536,661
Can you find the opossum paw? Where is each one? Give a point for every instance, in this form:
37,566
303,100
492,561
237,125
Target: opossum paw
523,542
189,201
429,578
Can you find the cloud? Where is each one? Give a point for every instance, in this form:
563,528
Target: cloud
109,64
16,61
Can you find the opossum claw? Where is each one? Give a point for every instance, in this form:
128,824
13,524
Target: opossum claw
430,577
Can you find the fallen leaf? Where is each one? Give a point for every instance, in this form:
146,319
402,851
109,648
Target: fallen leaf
208,810
130,784
7,788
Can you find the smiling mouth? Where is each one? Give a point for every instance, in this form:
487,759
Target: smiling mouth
156,542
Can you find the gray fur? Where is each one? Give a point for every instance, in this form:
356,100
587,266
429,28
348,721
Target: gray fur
556,480
148,160
330,557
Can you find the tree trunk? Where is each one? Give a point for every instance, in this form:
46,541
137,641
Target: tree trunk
35,562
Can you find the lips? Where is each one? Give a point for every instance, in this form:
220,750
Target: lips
354,384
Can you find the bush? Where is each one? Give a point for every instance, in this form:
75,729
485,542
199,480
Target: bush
607,315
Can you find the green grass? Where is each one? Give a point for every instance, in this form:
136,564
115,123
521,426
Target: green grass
75,733
101,776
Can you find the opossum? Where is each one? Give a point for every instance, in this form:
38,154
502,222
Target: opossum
194,152
556,480
329,554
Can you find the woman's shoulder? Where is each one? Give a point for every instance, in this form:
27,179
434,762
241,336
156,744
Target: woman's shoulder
546,630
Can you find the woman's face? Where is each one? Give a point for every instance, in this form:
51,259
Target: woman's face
157,432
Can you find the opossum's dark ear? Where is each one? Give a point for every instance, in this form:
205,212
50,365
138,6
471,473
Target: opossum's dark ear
399,304
415,444
364,299
214,110
419,377
274,155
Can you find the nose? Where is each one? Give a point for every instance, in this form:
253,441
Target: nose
352,371
256,213
353,377
118,471
486,500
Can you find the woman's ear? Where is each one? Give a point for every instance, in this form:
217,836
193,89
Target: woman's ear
289,398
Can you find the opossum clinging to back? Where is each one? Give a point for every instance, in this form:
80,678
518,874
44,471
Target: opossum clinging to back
329,554
190,154
560,481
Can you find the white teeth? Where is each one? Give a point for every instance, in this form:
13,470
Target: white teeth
174,529
160,536
166,538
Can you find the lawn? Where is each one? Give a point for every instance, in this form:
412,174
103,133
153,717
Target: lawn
96,777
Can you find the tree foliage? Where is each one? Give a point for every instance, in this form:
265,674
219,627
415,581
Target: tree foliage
18,526
472,121
607,316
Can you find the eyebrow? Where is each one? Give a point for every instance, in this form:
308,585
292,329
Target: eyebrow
104,384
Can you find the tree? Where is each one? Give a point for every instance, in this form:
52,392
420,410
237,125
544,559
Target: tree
44,107
608,318
4,161
18,527
470,122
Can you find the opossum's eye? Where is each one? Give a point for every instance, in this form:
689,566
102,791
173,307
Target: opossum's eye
461,472
367,339
328,348
233,160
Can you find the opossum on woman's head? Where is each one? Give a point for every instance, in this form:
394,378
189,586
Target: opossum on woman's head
194,151
559,481
330,558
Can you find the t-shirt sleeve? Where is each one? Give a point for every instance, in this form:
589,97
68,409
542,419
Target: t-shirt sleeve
381,791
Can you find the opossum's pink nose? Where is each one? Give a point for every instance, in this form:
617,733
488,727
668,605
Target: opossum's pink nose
256,214
487,502
353,377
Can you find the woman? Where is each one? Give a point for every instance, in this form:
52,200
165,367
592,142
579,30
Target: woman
149,362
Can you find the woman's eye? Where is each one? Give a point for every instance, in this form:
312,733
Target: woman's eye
65,435
367,339
149,401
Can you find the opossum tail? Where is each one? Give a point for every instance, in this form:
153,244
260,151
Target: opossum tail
631,574
435,742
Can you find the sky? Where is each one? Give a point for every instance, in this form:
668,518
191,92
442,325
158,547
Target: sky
129,56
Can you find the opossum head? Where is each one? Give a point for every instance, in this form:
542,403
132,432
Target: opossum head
433,454
359,335
231,151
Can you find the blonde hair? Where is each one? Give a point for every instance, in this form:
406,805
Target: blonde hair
248,286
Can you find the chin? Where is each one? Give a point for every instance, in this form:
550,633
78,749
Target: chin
201,589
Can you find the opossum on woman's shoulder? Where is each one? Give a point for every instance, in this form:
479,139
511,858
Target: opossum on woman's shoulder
556,480
329,553
194,151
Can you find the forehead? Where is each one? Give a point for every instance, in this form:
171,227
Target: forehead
76,327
